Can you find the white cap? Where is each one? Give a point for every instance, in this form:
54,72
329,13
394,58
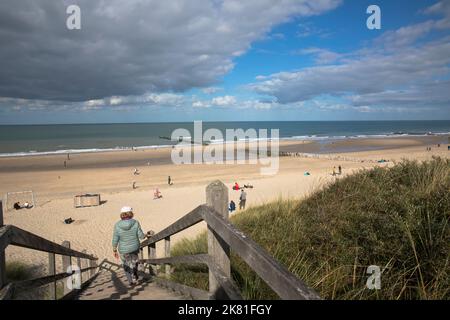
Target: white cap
126,209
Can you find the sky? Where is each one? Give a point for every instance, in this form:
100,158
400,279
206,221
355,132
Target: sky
223,60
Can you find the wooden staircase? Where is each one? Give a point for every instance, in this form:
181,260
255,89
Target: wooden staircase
111,284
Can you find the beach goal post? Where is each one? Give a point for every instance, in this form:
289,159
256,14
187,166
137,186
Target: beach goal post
19,196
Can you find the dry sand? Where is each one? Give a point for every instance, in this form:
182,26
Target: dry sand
111,174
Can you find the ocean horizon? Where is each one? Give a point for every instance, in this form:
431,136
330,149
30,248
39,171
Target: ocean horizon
23,140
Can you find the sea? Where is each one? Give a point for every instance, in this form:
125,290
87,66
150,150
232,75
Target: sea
28,140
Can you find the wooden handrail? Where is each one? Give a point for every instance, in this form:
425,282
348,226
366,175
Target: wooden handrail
278,277
33,283
281,280
21,238
12,235
188,220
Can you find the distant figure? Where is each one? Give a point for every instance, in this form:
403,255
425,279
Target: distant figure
17,206
439,145
65,164
136,171
248,186
232,206
236,186
27,205
68,221
125,243
134,185
242,200
169,181
157,194
340,170
334,171
68,156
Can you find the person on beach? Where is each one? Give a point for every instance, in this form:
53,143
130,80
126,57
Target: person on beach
334,171
157,194
134,185
236,186
242,200
136,171
340,170
125,243
65,164
169,181
232,206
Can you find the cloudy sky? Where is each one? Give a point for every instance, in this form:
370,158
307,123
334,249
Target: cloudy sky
184,60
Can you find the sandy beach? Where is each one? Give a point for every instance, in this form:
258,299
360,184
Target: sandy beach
111,175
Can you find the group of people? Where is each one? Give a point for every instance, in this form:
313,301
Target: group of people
157,193
242,197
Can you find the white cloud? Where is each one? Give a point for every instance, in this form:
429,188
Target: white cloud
223,101
211,90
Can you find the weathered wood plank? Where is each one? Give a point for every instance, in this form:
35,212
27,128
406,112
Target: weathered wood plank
29,240
38,282
197,258
226,284
283,282
167,255
183,223
193,293
5,237
219,251
152,255
52,272
93,265
67,268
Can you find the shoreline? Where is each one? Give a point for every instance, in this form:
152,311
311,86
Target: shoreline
295,139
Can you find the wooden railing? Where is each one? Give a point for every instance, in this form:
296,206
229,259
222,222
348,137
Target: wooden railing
222,236
11,235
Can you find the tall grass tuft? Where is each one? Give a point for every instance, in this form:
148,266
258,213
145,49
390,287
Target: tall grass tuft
396,218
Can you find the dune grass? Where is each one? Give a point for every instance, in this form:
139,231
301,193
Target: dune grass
396,218
17,271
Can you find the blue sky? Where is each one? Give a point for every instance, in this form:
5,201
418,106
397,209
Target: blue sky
208,60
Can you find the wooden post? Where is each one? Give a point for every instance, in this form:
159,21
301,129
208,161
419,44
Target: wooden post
219,251
79,267
152,255
167,254
67,267
2,254
84,264
92,263
52,272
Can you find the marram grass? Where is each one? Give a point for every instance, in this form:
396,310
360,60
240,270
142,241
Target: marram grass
396,218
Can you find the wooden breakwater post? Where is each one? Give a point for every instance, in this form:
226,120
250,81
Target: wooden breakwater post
2,253
218,250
